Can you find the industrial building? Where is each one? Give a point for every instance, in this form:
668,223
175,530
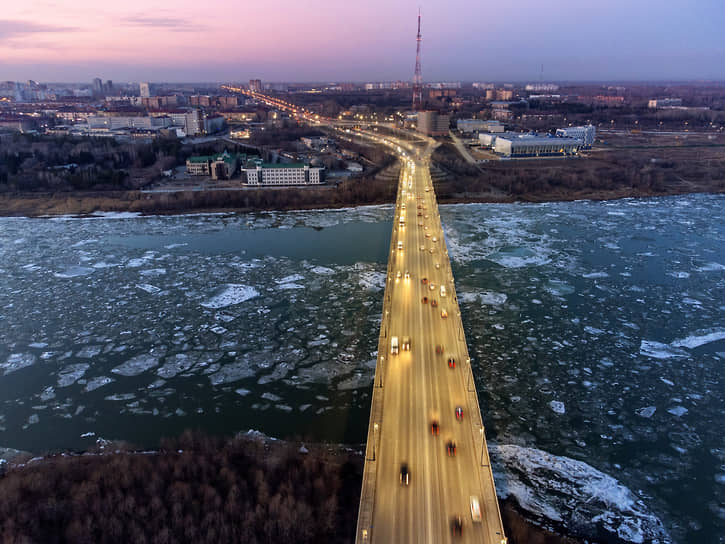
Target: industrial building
532,145
585,134
282,174
467,126
432,123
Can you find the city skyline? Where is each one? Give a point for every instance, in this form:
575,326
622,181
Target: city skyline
321,40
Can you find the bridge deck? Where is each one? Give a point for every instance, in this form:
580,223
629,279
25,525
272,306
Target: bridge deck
416,387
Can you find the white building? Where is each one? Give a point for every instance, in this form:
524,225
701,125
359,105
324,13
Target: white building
128,121
283,174
144,89
531,145
585,134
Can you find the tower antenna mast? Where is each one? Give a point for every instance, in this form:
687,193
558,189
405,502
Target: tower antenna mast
417,77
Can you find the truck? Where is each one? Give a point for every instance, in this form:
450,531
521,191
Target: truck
394,345
443,290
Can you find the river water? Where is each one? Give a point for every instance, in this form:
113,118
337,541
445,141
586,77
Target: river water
597,331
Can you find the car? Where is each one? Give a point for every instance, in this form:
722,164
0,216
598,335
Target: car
407,275
451,448
459,413
398,275
475,509
420,224
444,313
435,428
406,343
422,248
400,245
420,214
431,250
404,474
451,362
434,303
456,526
435,239
423,280
424,300
426,216
438,265
439,349
402,206
427,234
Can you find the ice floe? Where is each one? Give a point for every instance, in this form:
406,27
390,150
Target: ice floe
136,365
75,272
94,383
230,295
586,501
16,361
557,407
72,373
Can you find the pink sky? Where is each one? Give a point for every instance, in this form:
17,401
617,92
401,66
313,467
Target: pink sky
367,39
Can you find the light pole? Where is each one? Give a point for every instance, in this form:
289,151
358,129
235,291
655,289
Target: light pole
375,432
380,382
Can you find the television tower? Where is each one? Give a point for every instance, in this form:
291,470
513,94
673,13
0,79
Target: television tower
417,77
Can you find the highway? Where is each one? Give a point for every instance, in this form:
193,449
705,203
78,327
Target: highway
417,387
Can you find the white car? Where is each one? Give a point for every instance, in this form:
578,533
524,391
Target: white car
475,509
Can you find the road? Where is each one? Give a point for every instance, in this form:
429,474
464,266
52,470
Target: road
462,149
416,387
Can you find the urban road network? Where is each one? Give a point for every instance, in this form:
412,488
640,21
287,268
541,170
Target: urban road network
427,476
427,471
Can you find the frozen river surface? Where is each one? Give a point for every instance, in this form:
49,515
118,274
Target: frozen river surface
597,331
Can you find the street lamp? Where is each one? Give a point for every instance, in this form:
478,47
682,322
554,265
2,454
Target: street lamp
375,432
483,447
380,371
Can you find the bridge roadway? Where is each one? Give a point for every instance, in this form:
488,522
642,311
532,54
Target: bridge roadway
416,387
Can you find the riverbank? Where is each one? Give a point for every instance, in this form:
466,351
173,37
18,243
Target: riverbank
249,488
86,203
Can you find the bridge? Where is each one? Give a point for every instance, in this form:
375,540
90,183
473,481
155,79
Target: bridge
427,476
427,470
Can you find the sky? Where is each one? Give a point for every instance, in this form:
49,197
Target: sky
367,40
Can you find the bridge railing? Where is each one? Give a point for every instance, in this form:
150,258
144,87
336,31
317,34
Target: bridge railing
367,495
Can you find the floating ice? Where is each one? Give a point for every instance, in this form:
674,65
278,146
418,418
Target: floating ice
557,406
47,394
291,279
137,365
678,411
243,392
491,298
323,270
121,396
586,499
16,361
38,345
177,364
705,337
710,267
647,411
232,294
74,272
271,397
88,352
70,374
231,373
595,275
152,289
372,280
95,383
291,286
657,350
153,272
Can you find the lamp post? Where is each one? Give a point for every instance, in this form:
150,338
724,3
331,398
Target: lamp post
382,360
483,446
375,432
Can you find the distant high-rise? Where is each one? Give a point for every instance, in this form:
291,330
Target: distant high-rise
108,87
97,85
144,89
255,85
417,76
